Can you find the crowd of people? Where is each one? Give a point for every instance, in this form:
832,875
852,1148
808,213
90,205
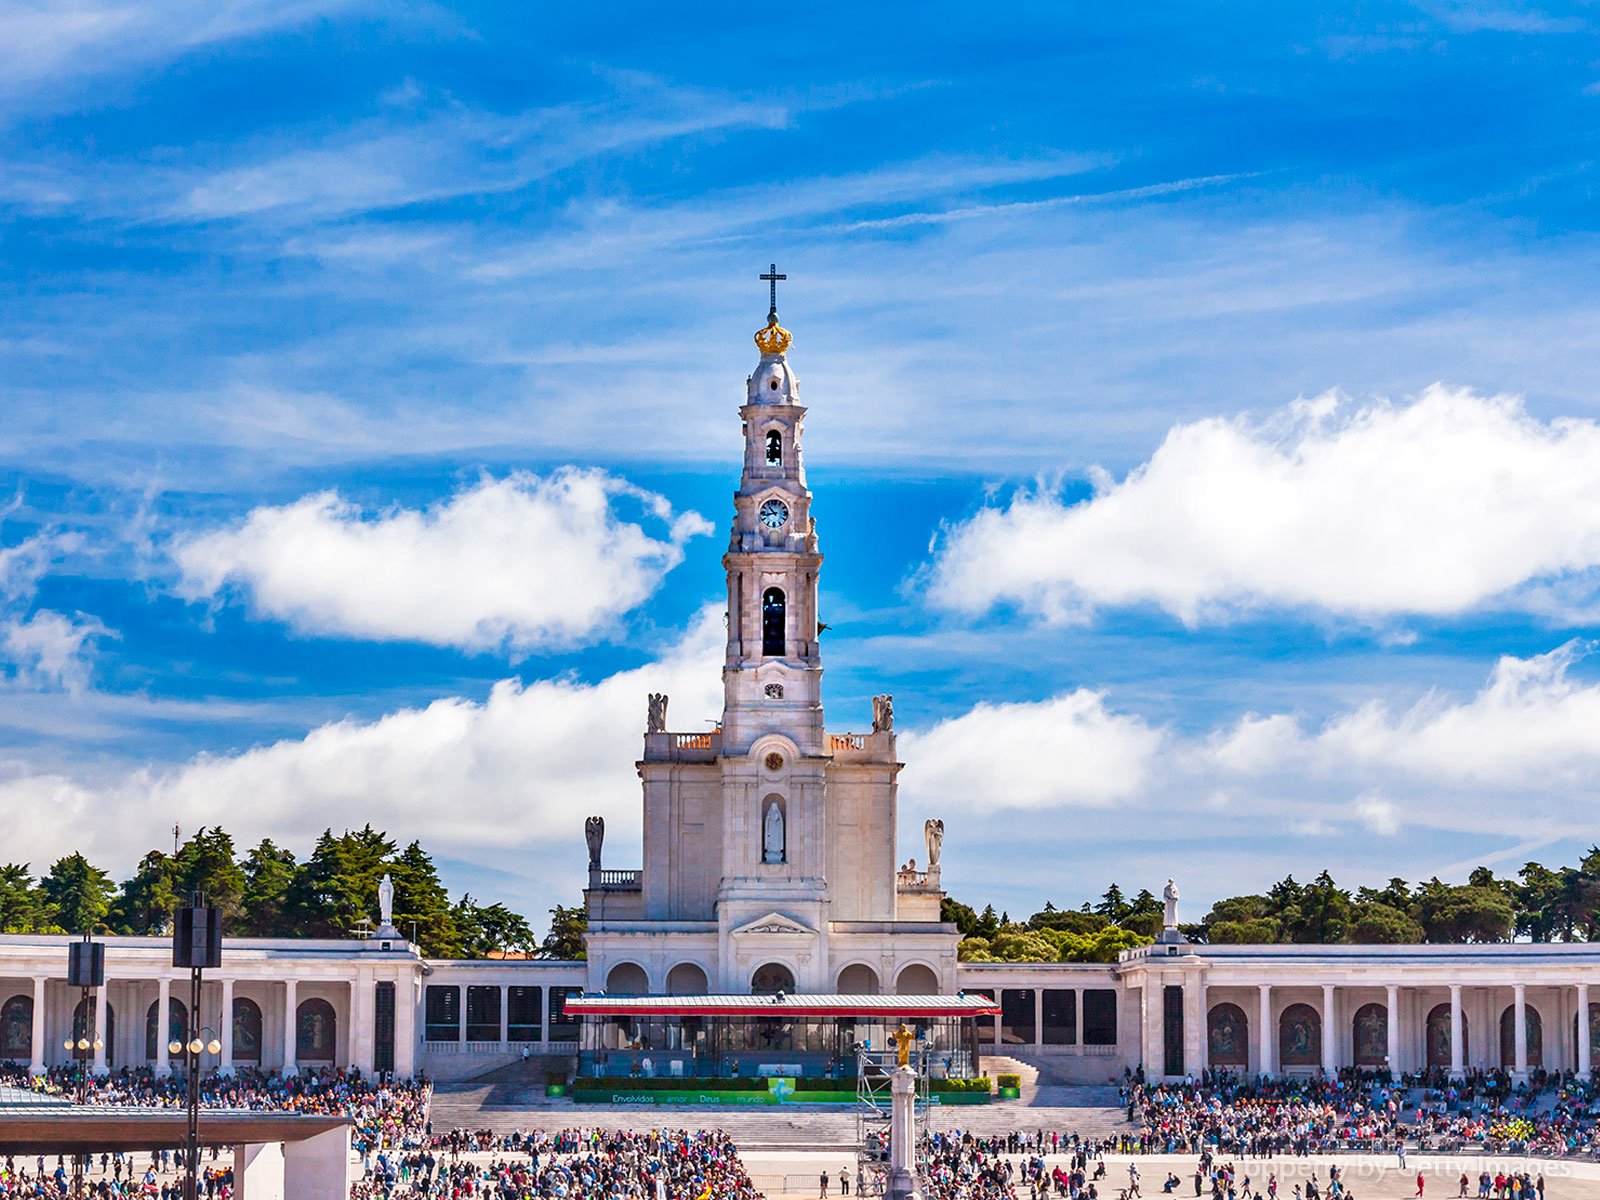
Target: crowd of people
573,1164
1352,1112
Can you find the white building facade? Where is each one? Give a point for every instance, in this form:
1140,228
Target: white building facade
770,863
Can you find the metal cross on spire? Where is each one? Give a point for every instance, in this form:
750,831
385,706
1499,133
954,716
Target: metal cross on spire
771,277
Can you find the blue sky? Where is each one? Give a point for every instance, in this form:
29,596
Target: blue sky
1203,422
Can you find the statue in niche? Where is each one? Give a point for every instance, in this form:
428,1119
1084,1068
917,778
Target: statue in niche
656,715
882,714
933,834
386,902
772,834
1169,895
594,832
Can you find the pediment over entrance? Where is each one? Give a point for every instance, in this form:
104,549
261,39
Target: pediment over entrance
775,924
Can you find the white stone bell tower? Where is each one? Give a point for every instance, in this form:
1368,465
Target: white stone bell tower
772,677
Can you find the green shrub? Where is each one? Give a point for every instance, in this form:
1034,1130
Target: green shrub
980,1084
1008,1080
627,1083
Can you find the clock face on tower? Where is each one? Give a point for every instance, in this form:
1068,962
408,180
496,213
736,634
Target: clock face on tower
774,513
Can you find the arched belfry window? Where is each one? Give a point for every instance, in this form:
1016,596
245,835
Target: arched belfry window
774,448
772,622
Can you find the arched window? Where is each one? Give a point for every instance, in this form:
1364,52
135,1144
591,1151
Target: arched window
246,1030
177,1025
774,448
16,1028
627,979
1228,1034
315,1029
771,979
687,979
1300,1036
917,980
773,624
1369,1035
858,979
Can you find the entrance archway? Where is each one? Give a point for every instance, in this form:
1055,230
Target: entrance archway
687,979
627,979
772,978
917,979
858,979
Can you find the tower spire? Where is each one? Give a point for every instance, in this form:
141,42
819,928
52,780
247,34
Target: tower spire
774,339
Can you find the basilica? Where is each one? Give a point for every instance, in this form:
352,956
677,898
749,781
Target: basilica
769,890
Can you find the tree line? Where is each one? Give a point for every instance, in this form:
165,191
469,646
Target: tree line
1539,904
267,892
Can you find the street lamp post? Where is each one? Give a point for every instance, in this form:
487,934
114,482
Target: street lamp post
86,971
196,945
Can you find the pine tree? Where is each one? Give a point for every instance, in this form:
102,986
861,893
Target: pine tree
269,876
421,903
147,901
565,939
336,890
23,908
78,892
206,866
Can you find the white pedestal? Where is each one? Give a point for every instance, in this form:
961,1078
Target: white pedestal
902,1183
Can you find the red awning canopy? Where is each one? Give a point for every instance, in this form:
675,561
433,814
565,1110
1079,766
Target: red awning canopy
773,1006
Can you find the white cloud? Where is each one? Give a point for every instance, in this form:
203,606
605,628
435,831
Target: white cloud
521,768
1377,814
1070,750
49,650
39,41
524,562
1450,503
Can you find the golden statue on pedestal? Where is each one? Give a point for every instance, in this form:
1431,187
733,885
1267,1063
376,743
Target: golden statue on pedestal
903,1037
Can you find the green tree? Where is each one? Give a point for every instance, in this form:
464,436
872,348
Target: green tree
1251,931
336,889
958,914
1465,913
988,923
1324,912
146,902
79,893
1376,923
206,865
487,931
1112,906
1075,922
565,939
269,879
23,907
422,904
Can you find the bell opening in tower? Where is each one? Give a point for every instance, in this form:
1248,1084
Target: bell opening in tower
772,623
774,448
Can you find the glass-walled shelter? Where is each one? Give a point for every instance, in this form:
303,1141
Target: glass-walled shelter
807,1036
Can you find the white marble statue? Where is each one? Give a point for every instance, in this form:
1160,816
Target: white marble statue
933,833
772,834
882,714
1169,918
386,901
656,713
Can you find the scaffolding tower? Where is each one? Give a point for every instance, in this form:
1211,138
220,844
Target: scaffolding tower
873,1102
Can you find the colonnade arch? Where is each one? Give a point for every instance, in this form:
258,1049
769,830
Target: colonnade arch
1227,1036
16,1028
917,979
627,979
858,979
687,979
1369,1035
1508,1036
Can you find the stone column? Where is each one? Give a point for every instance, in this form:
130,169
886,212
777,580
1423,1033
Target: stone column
1457,1063
1585,1066
101,1003
1392,1025
1152,1040
1038,1016
505,1016
290,1067
225,1032
1330,1031
1199,1034
163,1027
1264,1029
1519,1029
36,1067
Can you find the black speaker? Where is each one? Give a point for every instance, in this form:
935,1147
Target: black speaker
86,964
196,938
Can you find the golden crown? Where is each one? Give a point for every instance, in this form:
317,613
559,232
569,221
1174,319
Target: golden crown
774,339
